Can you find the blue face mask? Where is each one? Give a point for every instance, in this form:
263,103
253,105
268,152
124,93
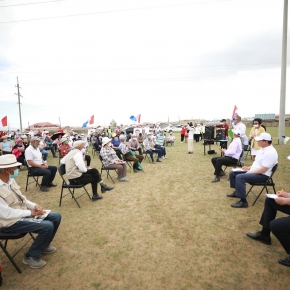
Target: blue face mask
35,146
15,174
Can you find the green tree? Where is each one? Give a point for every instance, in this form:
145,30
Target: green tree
113,124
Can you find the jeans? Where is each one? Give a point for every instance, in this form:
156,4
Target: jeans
92,176
238,180
162,148
46,231
159,152
44,154
51,149
47,174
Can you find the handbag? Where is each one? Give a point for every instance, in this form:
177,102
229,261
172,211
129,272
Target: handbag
16,152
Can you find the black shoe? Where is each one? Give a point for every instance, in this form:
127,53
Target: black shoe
96,197
105,188
232,195
44,188
258,236
239,204
55,157
158,160
222,173
285,261
139,169
135,170
217,179
52,185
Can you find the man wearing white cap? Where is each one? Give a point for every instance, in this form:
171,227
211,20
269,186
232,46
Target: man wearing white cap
14,207
259,172
279,227
231,156
37,166
77,173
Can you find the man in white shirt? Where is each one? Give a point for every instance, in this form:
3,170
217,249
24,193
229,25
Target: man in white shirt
77,172
37,166
259,172
14,207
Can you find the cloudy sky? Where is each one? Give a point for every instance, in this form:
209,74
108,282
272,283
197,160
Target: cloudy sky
176,59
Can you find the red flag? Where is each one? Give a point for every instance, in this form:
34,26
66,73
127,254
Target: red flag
138,118
235,112
92,120
4,121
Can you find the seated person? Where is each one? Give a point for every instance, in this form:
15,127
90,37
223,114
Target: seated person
77,173
134,144
64,147
140,138
5,146
230,157
149,148
14,206
125,149
41,149
170,139
115,142
111,160
279,227
160,142
98,143
18,150
259,172
49,145
37,166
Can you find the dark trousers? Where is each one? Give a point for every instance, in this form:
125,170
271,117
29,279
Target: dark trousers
46,231
218,162
136,159
51,149
88,160
162,148
92,176
279,227
47,174
182,137
238,180
196,137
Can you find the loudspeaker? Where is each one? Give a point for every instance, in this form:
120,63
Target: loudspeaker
220,134
209,132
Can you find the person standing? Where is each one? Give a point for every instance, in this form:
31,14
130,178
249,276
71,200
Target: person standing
256,130
190,131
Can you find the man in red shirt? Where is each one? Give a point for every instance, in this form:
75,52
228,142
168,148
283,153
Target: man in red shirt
224,126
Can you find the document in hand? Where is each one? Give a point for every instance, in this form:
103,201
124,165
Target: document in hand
37,218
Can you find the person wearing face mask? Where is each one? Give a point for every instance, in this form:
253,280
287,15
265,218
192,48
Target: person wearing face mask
125,149
37,166
256,130
115,143
14,207
64,147
5,146
134,144
18,150
149,148
111,160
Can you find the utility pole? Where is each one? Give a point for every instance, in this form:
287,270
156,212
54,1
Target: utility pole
19,104
281,130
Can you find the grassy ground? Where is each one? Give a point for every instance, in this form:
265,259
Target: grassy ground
167,228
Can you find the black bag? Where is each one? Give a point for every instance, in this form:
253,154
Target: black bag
211,152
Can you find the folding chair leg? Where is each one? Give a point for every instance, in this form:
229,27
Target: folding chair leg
10,258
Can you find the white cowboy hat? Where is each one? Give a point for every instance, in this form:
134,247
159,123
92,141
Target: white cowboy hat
8,160
105,140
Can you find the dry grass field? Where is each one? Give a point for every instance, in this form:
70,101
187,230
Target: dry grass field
167,228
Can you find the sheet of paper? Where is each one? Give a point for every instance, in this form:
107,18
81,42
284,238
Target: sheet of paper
271,195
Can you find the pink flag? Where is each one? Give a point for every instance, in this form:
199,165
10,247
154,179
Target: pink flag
139,118
92,120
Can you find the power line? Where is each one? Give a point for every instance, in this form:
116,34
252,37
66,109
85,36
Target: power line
111,11
30,3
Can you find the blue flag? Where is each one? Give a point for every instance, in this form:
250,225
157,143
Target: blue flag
85,124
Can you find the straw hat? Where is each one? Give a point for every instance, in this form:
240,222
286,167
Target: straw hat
105,141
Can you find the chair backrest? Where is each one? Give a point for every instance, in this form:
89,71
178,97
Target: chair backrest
274,169
61,169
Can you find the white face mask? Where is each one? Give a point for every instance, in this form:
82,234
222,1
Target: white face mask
256,126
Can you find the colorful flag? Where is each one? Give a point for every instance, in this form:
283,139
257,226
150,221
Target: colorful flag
92,120
235,113
4,121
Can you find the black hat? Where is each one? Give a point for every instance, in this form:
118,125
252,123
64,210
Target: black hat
223,120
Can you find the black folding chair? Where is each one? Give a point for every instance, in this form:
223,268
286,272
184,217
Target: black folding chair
103,168
4,237
238,164
129,162
264,185
34,177
71,188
